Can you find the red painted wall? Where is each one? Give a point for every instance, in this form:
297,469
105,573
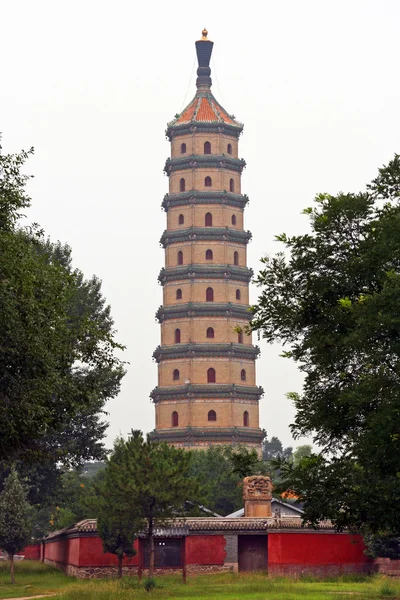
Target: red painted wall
83,552
315,549
31,552
63,551
205,550
91,554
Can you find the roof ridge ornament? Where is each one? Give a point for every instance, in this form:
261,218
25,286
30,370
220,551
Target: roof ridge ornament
204,49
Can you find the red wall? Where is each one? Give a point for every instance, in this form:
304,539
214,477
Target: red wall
83,552
205,550
315,549
63,551
31,552
91,554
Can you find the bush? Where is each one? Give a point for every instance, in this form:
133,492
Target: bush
149,584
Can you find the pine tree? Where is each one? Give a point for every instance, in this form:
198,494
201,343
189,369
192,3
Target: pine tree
15,526
118,523
148,484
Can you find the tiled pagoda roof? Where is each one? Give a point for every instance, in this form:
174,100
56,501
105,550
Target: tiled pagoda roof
204,108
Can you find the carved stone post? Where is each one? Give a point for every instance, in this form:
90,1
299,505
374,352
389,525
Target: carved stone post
257,496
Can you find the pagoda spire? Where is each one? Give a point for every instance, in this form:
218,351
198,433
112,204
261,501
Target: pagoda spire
204,49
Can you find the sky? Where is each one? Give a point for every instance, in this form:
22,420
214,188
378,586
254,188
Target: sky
92,84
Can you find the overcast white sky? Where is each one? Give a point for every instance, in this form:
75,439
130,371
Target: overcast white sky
92,84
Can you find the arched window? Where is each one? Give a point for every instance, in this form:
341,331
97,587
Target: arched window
208,220
175,375
237,294
179,294
183,148
243,375
231,185
211,375
207,148
180,257
246,418
240,337
209,254
212,415
181,220
177,336
236,258
229,148
175,419
182,185
209,295
210,332
208,182
233,219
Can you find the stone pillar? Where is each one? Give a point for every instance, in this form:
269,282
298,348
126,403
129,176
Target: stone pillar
257,496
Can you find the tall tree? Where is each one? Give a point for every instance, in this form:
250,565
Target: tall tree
273,448
333,299
58,361
153,482
118,520
15,525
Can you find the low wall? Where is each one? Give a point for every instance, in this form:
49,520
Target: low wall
316,553
387,566
31,552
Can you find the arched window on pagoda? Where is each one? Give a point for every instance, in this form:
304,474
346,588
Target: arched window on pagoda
210,332
231,185
182,185
240,337
181,219
179,294
177,336
208,220
175,419
237,294
208,182
211,375
212,415
229,148
245,419
209,254
175,375
236,258
207,148
183,148
180,257
243,375
209,295
233,219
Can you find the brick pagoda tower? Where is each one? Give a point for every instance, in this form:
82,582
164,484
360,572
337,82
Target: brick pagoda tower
207,391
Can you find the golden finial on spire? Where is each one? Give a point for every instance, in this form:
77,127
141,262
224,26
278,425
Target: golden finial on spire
204,33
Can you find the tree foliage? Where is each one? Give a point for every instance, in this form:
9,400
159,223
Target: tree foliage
15,525
58,362
273,448
118,520
333,299
152,481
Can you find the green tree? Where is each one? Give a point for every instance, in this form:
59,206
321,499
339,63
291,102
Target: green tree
301,452
220,471
333,299
153,483
118,519
15,526
58,360
273,448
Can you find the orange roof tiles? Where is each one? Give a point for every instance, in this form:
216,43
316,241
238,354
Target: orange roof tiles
204,108
205,112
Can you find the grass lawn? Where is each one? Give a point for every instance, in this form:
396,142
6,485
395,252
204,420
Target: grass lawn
34,578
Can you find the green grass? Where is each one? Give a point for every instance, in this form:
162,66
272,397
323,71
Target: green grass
228,586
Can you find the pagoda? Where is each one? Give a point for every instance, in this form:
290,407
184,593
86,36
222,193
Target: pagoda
206,391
